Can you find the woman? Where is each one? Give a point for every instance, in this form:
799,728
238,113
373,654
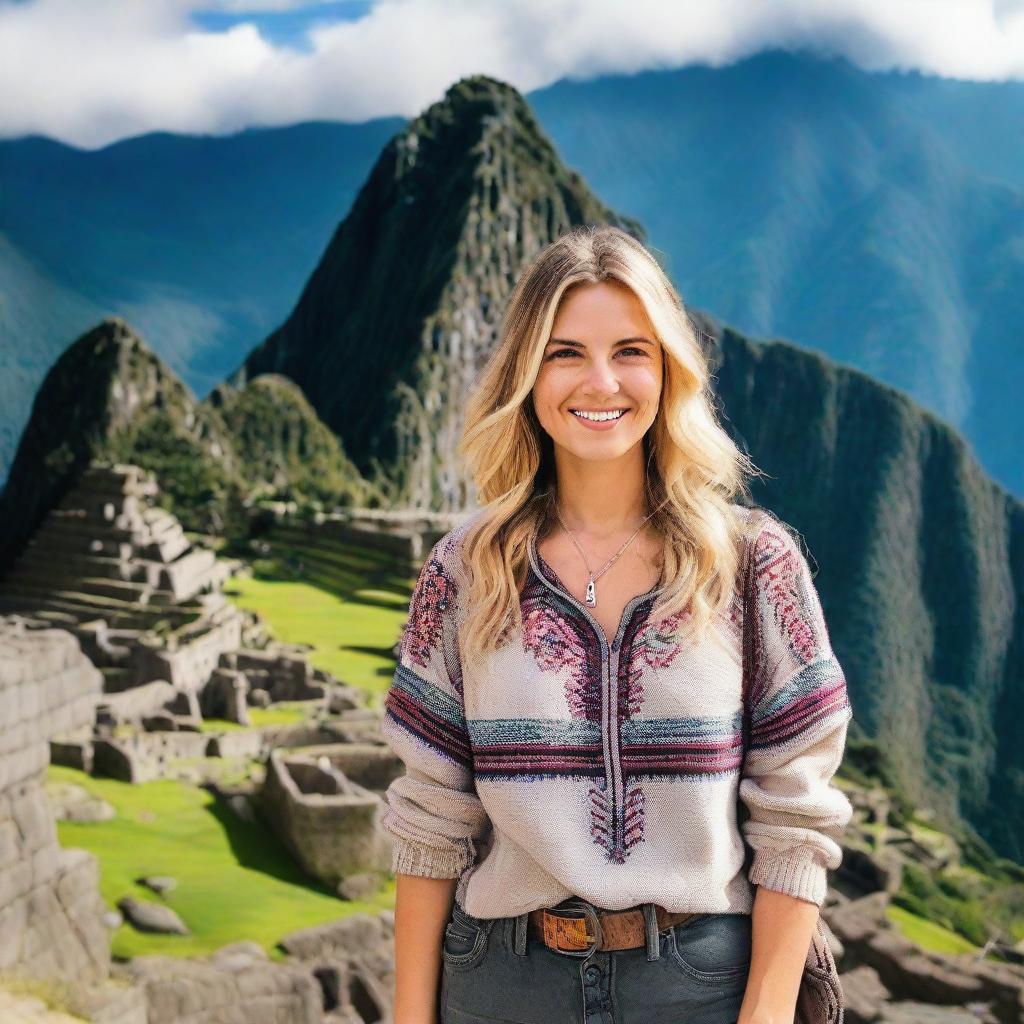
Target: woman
568,699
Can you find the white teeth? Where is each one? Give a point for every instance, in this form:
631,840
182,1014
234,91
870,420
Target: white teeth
598,417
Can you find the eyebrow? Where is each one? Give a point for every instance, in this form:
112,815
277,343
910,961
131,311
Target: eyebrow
621,341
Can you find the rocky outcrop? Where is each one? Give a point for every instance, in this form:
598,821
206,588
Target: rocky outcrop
51,913
239,984
50,908
886,978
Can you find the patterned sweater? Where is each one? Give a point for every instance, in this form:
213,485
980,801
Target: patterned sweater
568,765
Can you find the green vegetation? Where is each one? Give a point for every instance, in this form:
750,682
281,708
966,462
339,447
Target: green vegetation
194,485
927,934
288,454
345,601
235,879
972,905
283,713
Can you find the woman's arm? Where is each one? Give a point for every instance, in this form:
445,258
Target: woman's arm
422,906
776,967
433,814
800,713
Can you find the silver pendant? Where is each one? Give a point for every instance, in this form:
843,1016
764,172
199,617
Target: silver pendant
591,594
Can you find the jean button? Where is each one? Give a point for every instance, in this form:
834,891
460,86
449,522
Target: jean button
592,973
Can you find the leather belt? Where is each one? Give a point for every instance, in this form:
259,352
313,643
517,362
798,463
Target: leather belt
565,931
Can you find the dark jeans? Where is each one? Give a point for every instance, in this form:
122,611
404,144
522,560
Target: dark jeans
692,973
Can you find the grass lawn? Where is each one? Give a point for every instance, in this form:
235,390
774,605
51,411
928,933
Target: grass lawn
927,934
235,879
349,605
282,713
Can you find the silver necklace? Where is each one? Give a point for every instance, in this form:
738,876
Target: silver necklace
594,577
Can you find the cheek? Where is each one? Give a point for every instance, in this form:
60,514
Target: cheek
645,383
549,392
545,402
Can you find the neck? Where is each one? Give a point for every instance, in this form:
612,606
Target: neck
602,500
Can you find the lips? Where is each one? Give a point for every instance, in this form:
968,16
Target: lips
602,413
603,423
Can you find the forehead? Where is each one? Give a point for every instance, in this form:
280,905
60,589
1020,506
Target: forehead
607,310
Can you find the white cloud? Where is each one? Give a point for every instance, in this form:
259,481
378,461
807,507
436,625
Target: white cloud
92,71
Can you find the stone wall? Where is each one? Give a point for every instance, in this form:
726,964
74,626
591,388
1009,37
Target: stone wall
328,822
51,913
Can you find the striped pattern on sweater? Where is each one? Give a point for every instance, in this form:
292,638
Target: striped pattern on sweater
568,765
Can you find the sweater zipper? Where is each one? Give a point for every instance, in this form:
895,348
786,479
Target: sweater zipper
610,725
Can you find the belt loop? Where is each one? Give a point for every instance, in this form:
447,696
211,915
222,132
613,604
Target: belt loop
651,932
519,939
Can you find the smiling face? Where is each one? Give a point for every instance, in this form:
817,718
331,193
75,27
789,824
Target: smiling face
603,360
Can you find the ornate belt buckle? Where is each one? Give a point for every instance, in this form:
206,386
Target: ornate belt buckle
557,926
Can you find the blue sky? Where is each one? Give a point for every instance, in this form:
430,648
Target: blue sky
90,72
286,27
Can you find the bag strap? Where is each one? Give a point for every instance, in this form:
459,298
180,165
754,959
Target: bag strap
749,627
749,604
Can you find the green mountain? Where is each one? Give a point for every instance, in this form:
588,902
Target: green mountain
921,576
285,451
393,326
110,398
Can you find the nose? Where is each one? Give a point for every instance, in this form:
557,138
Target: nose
601,378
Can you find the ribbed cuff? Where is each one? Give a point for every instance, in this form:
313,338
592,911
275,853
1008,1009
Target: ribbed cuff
791,872
410,858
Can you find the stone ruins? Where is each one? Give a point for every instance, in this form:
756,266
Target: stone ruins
117,649
117,646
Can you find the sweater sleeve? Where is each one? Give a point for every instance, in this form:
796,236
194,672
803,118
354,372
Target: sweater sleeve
799,719
433,812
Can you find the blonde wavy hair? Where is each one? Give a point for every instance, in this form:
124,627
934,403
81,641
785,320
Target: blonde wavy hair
693,466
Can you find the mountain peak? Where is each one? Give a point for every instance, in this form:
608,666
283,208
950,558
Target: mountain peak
402,312
107,391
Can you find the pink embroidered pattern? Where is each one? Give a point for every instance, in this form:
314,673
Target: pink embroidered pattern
603,830
434,594
658,643
555,644
780,579
646,643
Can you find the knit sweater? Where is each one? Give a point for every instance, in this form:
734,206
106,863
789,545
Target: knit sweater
567,765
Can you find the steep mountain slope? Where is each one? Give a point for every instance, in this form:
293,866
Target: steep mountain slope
921,575
286,452
401,312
